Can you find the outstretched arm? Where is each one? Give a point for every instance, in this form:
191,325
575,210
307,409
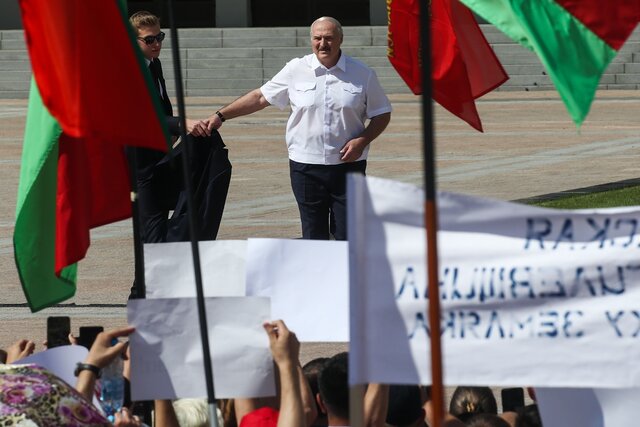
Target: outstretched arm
376,404
285,349
352,150
246,104
100,355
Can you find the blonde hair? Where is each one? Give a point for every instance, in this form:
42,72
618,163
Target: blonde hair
194,412
143,19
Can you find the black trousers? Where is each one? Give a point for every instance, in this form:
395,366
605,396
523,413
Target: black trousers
161,190
320,191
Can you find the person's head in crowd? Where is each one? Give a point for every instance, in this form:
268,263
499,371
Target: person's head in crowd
311,370
469,401
333,383
405,406
528,416
228,413
486,420
193,412
147,28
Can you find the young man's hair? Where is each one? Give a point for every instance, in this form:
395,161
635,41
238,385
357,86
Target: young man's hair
143,19
311,371
405,406
333,383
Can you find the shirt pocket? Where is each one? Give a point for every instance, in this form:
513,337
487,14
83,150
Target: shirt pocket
303,94
352,95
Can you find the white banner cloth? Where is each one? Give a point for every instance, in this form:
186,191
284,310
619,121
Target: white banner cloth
600,407
166,349
308,283
168,269
532,296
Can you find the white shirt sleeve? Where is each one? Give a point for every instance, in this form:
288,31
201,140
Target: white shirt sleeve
276,90
377,101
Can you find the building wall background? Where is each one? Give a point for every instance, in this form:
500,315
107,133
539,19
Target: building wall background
241,13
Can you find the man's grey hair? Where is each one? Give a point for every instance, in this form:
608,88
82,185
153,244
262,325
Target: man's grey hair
334,21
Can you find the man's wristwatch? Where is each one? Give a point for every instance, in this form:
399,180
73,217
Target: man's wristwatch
219,114
87,367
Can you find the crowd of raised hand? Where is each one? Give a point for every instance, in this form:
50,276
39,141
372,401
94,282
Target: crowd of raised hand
311,396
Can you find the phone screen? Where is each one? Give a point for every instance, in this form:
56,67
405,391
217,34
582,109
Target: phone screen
88,335
58,329
512,399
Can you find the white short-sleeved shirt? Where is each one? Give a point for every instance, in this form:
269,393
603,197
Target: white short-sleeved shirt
328,106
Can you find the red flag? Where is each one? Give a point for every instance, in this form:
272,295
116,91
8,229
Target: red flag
613,21
464,67
89,73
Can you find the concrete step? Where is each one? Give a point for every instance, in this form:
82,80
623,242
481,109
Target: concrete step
9,86
632,68
14,55
14,76
627,79
14,94
11,35
231,61
623,87
226,53
630,46
635,36
13,45
226,74
12,40
238,85
24,66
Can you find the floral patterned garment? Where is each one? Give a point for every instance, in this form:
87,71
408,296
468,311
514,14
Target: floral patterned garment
30,396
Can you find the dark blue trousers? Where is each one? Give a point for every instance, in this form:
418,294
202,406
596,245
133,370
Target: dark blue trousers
321,193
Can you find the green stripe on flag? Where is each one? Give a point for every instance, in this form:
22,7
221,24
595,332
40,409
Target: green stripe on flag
35,230
573,55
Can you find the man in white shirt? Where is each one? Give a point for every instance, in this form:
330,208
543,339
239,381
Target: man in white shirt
331,96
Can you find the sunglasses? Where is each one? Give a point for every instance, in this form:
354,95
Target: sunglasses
150,39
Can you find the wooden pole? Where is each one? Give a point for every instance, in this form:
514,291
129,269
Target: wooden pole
431,215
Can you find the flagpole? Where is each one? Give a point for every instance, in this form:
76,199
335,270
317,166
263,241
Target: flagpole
431,216
140,290
202,314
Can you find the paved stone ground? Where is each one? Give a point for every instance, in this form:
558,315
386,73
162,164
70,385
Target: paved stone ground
530,147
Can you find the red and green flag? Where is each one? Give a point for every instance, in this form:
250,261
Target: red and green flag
574,39
90,99
464,67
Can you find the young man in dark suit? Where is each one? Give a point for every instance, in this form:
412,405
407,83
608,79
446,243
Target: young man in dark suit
159,175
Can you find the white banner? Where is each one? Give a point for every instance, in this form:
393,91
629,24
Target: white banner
166,348
168,269
565,407
308,283
301,277
529,295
